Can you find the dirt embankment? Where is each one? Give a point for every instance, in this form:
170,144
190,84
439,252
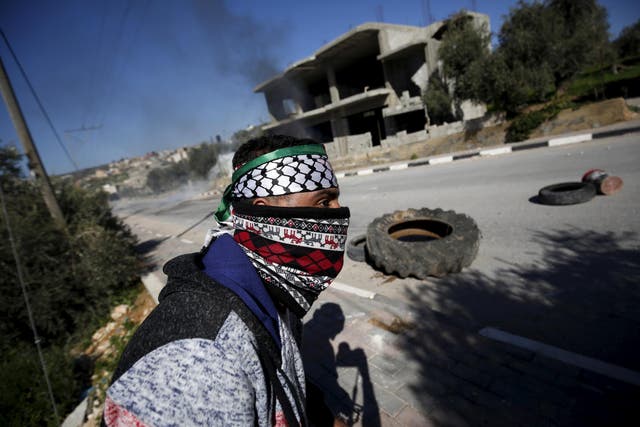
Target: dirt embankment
106,345
583,118
590,116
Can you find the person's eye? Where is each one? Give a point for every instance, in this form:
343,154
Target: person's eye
325,203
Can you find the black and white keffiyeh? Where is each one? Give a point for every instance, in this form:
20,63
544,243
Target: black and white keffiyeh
292,174
283,171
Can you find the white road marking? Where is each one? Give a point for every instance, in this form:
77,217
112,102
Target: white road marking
365,172
353,290
187,241
570,139
399,167
357,314
439,160
495,151
568,357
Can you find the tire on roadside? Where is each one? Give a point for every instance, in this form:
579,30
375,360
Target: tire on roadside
567,193
422,242
357,248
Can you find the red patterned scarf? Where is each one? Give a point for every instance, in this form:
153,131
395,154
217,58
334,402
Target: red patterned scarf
297,251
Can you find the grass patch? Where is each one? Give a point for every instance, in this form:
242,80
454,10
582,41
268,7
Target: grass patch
521,127
601,82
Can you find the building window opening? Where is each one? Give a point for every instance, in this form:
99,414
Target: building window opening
370,121
414,121
289,106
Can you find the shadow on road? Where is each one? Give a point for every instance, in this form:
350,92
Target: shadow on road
147,246
145,250
583,297
323,368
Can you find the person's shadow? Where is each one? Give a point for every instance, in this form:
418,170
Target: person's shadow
326,398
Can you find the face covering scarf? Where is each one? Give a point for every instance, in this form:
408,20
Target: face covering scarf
296,251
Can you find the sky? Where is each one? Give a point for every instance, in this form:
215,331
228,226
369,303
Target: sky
120,78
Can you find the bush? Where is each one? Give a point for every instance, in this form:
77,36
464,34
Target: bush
168,178
72,278
202,159
522,126
25,397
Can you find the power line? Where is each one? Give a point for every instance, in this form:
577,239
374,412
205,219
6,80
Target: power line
35,95
84,128
36,337
116,66
94,69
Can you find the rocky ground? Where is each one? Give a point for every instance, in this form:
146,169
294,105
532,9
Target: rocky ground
106,345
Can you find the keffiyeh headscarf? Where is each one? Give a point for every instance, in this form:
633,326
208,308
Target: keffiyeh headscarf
283,171
296,251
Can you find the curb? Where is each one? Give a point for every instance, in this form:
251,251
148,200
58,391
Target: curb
494,151
153,284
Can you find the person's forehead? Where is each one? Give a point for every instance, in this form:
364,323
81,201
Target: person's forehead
323,192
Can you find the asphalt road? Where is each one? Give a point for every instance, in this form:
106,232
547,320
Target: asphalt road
564,276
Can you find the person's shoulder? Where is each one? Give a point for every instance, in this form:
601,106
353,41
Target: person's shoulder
183,264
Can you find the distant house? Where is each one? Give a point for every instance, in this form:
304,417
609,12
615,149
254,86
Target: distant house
178,155
363,89
110,188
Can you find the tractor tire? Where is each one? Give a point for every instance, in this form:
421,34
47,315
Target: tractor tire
356,248
422,242
567,193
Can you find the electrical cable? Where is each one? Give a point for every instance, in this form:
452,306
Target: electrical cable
114,70
26,301
35,95
96,66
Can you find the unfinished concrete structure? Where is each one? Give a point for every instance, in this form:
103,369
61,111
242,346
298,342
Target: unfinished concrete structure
363,89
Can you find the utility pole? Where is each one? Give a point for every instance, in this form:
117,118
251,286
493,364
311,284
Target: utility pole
35,164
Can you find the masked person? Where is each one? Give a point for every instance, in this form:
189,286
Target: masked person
223,345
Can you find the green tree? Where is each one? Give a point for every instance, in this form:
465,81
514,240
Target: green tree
168,178
541,46
581,37
202,159
628,42
438,100
464,47
520,67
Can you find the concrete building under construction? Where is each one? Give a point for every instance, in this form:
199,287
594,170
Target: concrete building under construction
363,89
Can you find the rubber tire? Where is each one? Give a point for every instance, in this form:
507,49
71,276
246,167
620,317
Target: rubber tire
567,193
356,248
438,258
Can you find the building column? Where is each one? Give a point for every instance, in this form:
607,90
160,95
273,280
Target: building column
340,130
333,86
339,125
